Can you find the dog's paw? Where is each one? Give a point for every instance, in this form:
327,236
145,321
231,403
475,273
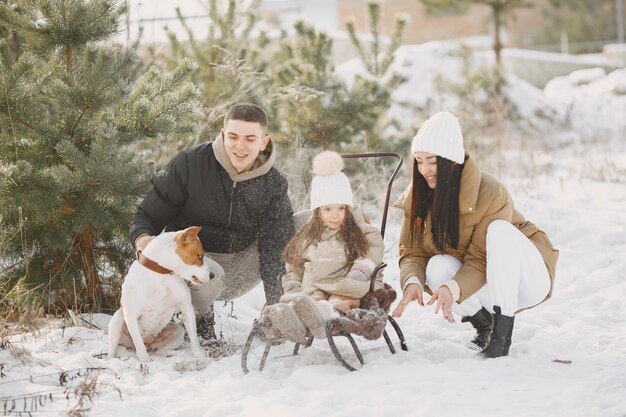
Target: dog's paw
198,353
143,357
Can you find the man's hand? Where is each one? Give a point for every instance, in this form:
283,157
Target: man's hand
411,292
443,296
142,242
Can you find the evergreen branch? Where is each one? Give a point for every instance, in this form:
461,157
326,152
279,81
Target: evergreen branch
230,19
167,109
350,26
183,21
13,134
13,20
75,125
21,120
214,15
100,163
373,8
396,41
251,18
106,11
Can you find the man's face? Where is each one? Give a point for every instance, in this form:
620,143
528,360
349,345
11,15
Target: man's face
243,142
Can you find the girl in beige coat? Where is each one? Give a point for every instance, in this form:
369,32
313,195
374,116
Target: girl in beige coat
463,241
330,259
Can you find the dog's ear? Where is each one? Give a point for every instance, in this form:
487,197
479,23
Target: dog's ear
188,236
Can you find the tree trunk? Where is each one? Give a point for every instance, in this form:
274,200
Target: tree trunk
498,9
619,14
86,249
497,44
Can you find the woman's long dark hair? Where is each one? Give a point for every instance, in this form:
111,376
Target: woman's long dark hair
442,203
356,242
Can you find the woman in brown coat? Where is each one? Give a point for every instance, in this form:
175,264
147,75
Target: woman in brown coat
464,242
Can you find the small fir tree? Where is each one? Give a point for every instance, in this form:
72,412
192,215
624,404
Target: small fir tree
70,178
375,59
230,57
310,99
582,21
338,115
500,10
375,89
318,109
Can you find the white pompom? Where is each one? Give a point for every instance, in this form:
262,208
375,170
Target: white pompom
327,163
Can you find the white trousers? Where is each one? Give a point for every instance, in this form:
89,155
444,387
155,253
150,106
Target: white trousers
517,276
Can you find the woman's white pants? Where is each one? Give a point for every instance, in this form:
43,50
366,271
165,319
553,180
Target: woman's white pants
517,276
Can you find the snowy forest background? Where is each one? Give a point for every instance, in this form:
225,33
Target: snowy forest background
85,121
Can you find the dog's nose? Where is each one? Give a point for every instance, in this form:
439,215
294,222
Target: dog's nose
211,275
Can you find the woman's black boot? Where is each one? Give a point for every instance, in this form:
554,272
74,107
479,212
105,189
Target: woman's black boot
482,322
500,339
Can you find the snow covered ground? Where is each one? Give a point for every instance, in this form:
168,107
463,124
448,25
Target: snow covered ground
574,188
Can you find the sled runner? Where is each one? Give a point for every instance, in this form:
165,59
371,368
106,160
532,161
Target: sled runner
341,326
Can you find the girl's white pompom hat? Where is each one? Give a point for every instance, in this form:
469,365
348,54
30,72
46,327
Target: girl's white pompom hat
329,185
441,135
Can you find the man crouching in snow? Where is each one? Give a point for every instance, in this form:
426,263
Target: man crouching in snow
231,189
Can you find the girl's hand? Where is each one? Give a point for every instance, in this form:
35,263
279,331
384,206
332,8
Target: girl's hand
443,296
411,292
291,286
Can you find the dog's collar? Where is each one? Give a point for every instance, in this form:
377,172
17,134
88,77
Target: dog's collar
151,265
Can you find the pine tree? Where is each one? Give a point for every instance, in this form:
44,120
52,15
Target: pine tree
310,100
500,9
318,110
230,57
70,177
333,115
376,60
582,21
375,90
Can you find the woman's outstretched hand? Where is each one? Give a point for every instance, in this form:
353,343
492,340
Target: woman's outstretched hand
411,292
443,297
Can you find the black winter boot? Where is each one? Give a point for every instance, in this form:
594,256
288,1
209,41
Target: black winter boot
500,339
205,325
482,322
507,345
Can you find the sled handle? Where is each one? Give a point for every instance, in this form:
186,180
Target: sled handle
389,183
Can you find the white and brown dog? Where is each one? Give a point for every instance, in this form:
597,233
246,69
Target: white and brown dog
155,288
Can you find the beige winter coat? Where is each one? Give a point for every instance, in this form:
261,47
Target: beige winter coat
482,199
325,264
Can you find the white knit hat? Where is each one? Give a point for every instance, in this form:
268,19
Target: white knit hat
440,135
329,185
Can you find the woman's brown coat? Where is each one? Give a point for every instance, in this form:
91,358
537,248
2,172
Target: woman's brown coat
482,199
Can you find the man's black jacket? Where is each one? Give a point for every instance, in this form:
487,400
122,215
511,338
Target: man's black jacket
196,190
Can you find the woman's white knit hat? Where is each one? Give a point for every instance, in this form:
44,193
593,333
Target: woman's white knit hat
440,135
329,185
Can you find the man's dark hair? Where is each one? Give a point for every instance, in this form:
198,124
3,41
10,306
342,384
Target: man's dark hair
442,203
247,112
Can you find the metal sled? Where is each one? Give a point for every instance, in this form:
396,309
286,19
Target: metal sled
334,328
